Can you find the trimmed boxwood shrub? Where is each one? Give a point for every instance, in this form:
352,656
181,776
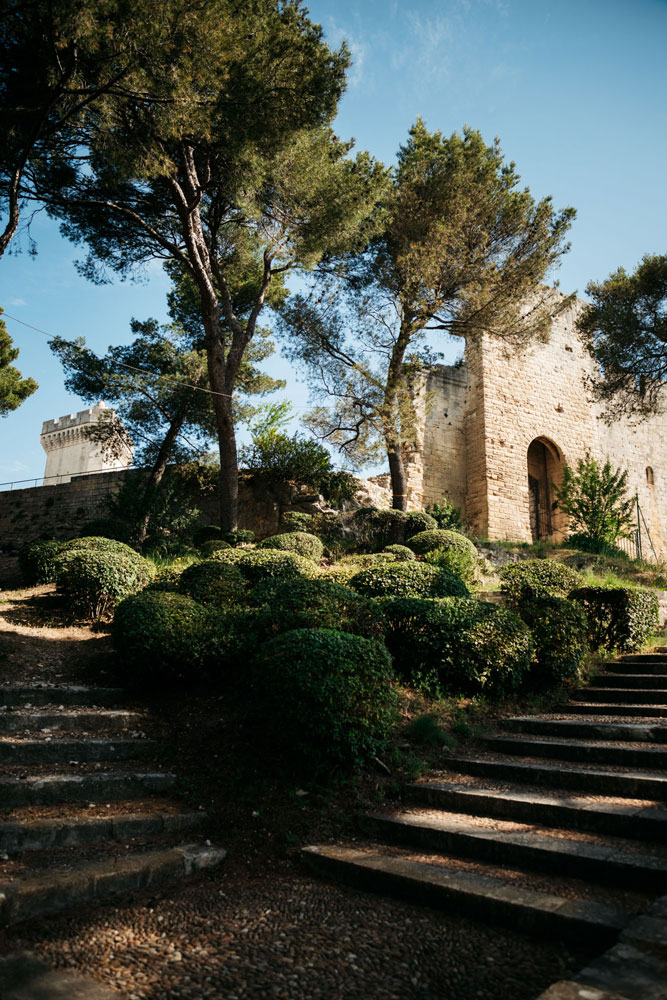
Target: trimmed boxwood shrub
560,634
212,582
97,543
408,579
536,578
240,536
316,604
93,581
214,545
457,560
38,562
376,528
108,527
441,538
416,522
260,565
618,618
327,696
402,552
301,542
463,645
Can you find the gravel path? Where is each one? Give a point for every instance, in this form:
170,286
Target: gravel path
276,933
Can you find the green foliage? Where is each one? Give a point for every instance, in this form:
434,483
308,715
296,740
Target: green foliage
214,545
595,546
108,527
98,543
462,645
38,562
93,580
446,515
206,533
162,638
171,510
408,579
213,583
457,560
594,498
534,579
297,459
375,529
621,618
625,329
296,520
316,604
427,541
264,565
13,388
418,521
402,552
301,542
327,696
427,731
241,536
560,634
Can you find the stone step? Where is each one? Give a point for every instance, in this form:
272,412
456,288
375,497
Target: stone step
51,891
633,784
73,694
78,830
70,720
479,896
648,757
106,786
648,712
558,809
658,655
653,666
640,732
633,696
63,751
648,681
457,834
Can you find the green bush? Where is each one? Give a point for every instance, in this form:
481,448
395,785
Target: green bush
206,533
96,543
297,520
462,645
457,560
93,581
428,541
38,562
618,618
416,522
108,527
214,545
595,546
301,542
260,565
402,552
376,528
327,696
408,579
560,635
213,583
241,536
164,638
446,515
536,578
316,604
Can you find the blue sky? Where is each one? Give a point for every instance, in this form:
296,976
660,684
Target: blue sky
576,92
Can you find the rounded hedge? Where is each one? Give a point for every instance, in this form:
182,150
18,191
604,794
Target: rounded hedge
457,560
301,542
206,533
402,552
560,633
97,543
463,645
327,696
93,581
536,578
214,545
213,583
38,562
417,522
260,565
317,604
441,538
408,579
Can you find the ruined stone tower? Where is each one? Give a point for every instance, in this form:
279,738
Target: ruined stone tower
497,431
71,452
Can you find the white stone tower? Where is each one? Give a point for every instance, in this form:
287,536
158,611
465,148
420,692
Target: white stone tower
71,452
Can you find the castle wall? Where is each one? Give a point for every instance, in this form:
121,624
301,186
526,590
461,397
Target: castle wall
71,452
437,467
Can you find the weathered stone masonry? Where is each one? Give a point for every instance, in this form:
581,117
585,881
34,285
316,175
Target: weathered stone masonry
497,431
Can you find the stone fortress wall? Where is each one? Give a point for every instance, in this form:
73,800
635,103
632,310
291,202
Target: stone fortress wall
496,432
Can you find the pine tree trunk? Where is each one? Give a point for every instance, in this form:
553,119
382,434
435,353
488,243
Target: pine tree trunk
399,482
224,418
158,471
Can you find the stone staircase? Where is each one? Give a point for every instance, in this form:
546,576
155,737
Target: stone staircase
556,826
83,815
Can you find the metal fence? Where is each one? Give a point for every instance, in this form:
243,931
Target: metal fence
24,484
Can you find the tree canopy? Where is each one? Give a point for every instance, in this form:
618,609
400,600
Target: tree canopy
461,249
625,330
13,388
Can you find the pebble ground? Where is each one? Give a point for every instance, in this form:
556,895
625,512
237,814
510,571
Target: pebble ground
277,933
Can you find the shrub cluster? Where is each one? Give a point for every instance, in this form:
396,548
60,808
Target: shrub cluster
375,529
261,565
93,580
454,552
214,583
561,641
326,696
38,562
461,644
618,618
301,542
408,579
536,578
440,538
317,604
206,533
213,545
402,552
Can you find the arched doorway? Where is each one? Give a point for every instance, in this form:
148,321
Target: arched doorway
545,467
